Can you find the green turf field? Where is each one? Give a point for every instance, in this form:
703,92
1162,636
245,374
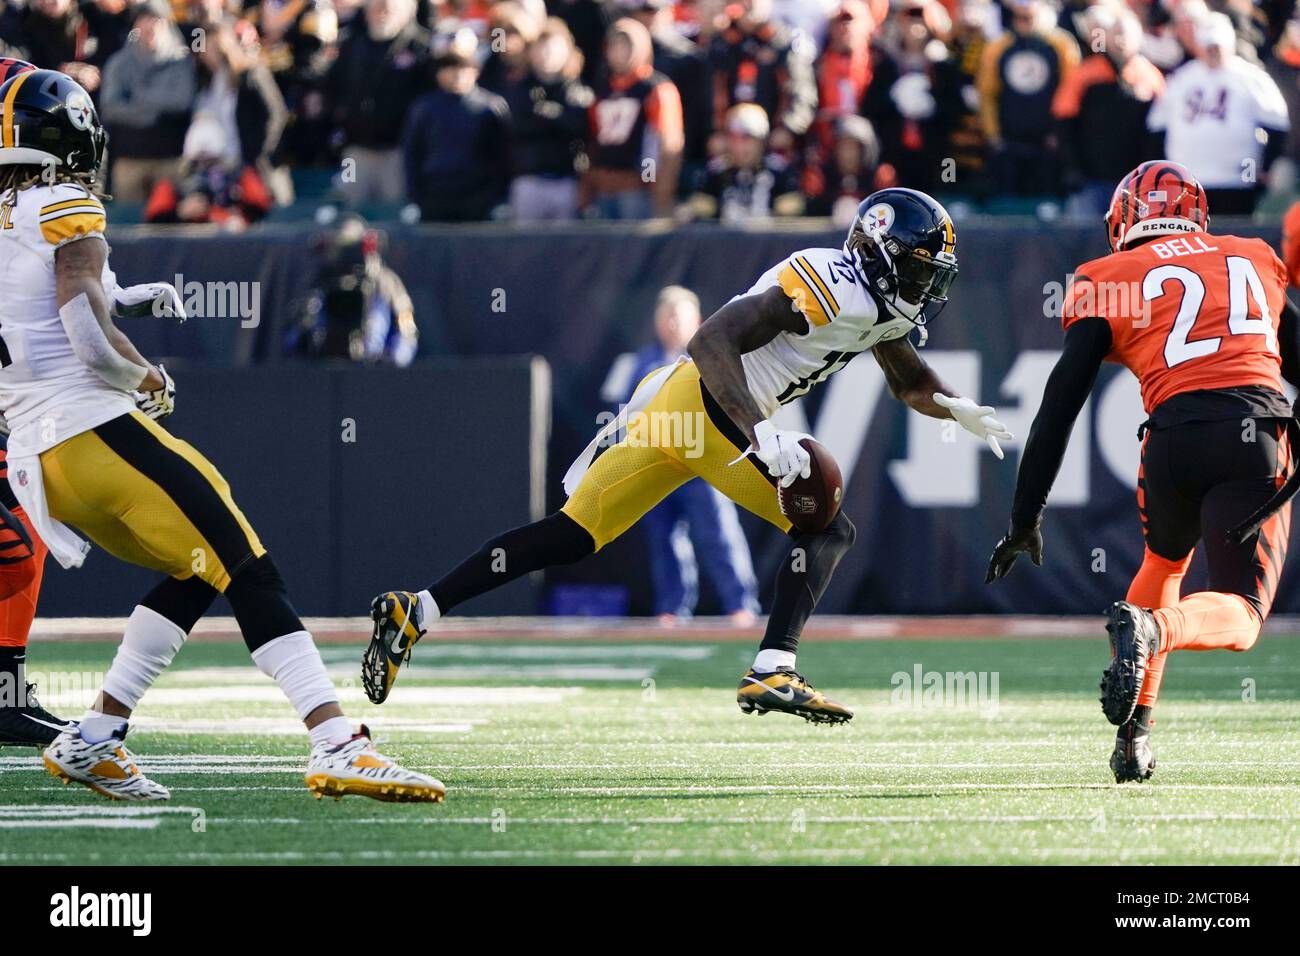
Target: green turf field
635,752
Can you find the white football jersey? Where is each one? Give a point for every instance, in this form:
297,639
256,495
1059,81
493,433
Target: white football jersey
1210,116
842,317
46,393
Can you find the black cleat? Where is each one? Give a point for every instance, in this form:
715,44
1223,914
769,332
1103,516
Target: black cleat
397,628
786,691
1133,760
28,724
1134,638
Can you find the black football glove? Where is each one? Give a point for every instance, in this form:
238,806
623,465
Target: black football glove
1015,542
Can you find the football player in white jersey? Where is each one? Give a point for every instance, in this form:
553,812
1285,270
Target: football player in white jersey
803,320
1223,117
86,451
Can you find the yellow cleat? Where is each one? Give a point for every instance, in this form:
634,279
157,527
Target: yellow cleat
106,767
396,630
785,690
356,768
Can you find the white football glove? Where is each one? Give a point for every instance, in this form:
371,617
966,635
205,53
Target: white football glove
785,458
161,402
156,299
976,419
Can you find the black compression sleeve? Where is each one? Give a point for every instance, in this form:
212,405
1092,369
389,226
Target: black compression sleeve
1288,342
1086,343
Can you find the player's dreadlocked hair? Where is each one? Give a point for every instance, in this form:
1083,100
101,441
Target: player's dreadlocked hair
14,179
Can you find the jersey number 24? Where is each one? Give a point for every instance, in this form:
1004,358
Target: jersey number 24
1243,283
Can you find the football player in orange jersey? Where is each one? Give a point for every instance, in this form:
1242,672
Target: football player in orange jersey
23,721
1204,323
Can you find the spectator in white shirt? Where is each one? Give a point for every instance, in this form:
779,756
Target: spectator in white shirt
1223,118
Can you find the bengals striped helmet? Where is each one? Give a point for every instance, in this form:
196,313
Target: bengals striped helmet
11,67
1159,198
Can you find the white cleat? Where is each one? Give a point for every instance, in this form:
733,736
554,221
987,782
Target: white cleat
106,767
356,767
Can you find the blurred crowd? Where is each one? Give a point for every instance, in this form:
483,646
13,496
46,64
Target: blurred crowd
465,110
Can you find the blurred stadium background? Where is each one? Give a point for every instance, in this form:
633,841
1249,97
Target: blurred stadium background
405,226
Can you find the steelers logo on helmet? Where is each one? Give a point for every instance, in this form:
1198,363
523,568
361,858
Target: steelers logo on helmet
80,113
904,248
878,218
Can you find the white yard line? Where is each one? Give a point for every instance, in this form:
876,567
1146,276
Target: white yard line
761,788
803,854
215,763
783,821
82,823
441,650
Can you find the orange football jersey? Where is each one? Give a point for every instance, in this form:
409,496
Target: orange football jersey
1187,312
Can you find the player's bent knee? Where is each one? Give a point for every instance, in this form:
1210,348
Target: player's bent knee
569,541
181,600
258,597
841,532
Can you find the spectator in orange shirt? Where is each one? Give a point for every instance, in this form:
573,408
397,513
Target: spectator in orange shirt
845,68
636,131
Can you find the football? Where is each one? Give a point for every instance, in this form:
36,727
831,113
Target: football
812,503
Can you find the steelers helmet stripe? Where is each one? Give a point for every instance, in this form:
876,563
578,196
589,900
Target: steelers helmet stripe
949,237
7,131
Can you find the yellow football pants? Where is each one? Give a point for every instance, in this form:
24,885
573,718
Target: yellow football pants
149,498
669,442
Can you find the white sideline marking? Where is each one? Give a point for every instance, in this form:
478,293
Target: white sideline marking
217,763
334,654
1104,854
81,809
278,726
247,685
15,816
268,693
1089,819
90,823
858,787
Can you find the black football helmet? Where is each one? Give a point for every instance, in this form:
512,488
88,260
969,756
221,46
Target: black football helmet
46,116
904,247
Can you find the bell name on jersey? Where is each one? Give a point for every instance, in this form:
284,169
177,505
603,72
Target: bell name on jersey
843,320
47,394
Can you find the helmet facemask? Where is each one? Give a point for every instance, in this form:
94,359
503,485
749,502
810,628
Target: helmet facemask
913,284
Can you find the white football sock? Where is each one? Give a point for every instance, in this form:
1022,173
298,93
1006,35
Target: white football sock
429,610
148,645
96,727
769,660
332,732
294,663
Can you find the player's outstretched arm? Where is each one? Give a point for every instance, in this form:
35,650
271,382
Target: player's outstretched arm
1086,343
84,311
740,326
914,383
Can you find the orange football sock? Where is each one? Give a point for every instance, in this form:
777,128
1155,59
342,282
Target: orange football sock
1208,621
1158,583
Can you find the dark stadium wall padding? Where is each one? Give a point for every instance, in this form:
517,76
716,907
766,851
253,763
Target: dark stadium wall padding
440,456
